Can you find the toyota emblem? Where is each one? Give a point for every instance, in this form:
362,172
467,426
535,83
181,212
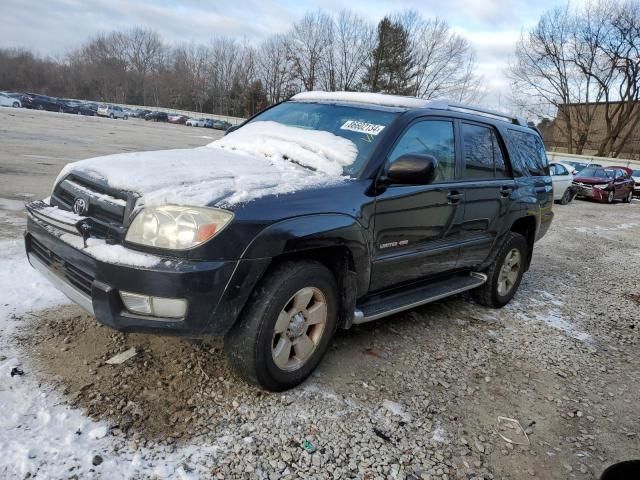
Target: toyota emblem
79,206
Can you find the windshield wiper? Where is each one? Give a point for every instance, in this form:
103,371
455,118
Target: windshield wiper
298,163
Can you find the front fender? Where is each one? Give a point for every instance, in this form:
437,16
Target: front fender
311,232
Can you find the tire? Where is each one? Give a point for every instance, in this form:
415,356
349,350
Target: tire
252,345
126,117
16,105
566,198
611,196
628,197
40,107
491,294
111,116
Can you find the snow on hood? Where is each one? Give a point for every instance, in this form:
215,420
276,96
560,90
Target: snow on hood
262,158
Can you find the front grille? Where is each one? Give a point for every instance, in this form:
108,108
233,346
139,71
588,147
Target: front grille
76,277
105,205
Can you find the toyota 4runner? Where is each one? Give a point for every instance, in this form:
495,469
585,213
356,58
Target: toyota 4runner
321,212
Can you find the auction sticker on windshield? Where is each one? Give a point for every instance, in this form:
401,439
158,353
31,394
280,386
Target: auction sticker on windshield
362,127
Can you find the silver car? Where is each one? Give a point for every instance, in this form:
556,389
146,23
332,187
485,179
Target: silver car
112,111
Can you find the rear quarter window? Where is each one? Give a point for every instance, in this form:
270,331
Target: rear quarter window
529,151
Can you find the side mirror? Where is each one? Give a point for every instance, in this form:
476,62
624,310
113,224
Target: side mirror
412,169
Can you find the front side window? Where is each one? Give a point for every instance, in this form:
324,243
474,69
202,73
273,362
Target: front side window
430,137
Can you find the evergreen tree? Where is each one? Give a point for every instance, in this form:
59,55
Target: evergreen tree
392,68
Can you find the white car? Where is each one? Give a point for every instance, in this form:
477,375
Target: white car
112,111
7,101
636,178
196,122
562,178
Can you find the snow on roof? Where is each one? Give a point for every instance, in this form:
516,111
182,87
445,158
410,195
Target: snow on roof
382,99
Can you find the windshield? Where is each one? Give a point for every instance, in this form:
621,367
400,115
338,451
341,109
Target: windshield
596,172
360,125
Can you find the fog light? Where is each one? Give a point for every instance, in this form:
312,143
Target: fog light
155,306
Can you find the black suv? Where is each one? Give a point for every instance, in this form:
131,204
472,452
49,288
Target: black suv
321,212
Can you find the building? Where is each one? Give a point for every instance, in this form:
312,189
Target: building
588,121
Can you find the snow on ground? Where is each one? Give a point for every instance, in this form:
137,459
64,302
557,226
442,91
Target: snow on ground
39,434
238,168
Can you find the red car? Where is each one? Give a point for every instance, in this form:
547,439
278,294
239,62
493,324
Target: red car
178,119
604,184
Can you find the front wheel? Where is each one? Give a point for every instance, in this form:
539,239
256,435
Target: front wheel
505,273
566,198
286,327
611,196
16,104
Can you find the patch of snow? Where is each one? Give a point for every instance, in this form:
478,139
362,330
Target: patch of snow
39,434
102,196
10,204
216,175
397,409
438,435
556,320
101,250
319,150
382,99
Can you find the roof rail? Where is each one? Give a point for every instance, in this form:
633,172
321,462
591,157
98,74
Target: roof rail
446,105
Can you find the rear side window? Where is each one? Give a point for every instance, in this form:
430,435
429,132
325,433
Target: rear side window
482,154
529,150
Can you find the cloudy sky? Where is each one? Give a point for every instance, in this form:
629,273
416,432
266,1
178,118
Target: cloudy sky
52,27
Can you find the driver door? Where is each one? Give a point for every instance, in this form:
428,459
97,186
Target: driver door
417,227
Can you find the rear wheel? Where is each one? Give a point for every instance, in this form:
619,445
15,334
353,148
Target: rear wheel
505,273
111,116
286,327
628,197
16,104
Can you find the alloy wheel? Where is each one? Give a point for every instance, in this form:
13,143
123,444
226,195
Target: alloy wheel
509,272
299,329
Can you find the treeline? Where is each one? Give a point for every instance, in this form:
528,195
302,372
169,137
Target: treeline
403,54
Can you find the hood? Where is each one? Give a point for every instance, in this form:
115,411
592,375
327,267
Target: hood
591,180
245,165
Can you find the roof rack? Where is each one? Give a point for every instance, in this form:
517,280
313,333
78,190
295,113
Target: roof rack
445,105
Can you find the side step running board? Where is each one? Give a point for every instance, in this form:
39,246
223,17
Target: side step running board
399,301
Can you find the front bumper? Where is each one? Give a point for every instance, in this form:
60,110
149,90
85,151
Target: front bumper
216,291
586,191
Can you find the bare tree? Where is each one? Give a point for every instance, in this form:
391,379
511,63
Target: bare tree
584,63
274,69
308,45
354,41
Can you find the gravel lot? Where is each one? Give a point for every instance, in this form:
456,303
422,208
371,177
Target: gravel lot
417,395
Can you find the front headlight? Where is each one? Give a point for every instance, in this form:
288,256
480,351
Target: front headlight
175,227
602,186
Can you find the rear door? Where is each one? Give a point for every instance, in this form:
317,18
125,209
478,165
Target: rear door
487,185
417,227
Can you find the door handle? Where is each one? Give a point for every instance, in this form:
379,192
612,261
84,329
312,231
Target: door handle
454,197
506,190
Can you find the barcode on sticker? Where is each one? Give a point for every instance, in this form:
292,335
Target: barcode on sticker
362,127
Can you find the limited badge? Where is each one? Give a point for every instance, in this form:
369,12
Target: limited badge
362,127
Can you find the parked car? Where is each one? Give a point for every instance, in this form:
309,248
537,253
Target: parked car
636,178
41,102
325,211
220,125
8,101
563,188
178,119
604,184
196,122
578,166
112,111
140,113
157,117
87,108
